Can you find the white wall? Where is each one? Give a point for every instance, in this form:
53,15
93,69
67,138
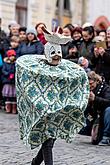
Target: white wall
97,8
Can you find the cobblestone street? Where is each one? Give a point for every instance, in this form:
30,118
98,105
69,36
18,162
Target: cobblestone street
79,152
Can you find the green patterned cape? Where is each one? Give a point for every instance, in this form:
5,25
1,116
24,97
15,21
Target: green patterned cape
50,99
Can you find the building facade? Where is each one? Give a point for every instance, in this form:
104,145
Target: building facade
55,12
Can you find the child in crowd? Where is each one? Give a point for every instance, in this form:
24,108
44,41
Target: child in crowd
8,79
15,45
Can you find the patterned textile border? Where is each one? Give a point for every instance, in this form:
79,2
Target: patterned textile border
50,99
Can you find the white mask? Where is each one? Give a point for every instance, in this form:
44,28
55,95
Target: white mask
52,47
51,50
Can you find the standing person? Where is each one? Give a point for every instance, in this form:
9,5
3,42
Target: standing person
8,79
14,31
66,31
14,45
108,38
77,37
32,44
87,46
2,38
48,107
74,45
40,33
102,33
101,61
22,34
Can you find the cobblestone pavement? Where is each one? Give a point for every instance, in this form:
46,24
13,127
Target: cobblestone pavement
79,152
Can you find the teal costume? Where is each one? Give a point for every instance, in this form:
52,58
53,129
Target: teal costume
50,99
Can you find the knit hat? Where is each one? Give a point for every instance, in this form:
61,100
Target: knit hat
31,30
11,53
13,22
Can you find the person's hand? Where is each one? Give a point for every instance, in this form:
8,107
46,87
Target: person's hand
101,51
96,52
91,96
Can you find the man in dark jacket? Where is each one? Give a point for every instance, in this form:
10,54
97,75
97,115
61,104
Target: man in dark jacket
99,104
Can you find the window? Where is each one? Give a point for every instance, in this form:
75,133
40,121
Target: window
63,12
66,7
21,12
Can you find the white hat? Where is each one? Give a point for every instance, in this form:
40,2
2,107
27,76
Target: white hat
86,24
13,22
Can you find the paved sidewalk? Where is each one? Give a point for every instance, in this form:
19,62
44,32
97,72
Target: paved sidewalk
79,152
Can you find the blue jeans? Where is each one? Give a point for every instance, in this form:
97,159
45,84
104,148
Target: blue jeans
106,131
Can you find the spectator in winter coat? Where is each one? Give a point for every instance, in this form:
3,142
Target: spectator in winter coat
77,37
14,45
8,79
2,38
32,46
99,104
87,46
40,33
14,31
101,62
67,31
22,34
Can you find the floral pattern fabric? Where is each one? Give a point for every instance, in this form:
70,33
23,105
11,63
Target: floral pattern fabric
50,99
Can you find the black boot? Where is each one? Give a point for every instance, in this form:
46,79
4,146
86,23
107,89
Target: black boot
47,151
38,159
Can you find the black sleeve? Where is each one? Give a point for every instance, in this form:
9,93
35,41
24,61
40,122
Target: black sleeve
104,101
